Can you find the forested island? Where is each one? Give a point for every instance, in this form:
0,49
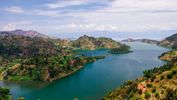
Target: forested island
121,50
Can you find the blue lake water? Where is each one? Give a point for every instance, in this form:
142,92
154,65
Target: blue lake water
95,79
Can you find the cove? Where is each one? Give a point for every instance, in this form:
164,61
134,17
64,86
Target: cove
96,79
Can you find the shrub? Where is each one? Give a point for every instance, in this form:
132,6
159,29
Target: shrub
162,77
154,90
140,92
173,72
147,95
156,94
149,85
169,76
153,77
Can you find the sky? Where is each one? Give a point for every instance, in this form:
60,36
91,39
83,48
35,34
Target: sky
71,18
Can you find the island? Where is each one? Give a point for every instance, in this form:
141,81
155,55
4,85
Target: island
121,50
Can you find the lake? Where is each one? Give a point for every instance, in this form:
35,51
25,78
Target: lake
96,79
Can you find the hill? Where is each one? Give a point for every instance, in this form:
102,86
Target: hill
29,33
92,43
18,45
170,41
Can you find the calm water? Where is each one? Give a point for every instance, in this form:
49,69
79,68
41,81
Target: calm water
96,79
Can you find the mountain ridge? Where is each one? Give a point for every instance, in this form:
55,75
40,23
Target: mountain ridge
29,33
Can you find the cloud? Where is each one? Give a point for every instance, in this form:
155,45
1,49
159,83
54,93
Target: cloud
86,27
66,3
9,27
49,13
14,9
16,25
131,6
72,3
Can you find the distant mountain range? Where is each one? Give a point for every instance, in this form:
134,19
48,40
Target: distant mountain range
170,41
29,33
141,40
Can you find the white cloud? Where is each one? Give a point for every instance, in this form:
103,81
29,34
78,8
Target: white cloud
14,9
128,6
9,27
67,3
49,13
133,16
86,27
16,25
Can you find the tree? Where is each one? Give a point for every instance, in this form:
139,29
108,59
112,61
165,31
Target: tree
4,93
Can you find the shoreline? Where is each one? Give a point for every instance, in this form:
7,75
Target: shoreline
60,76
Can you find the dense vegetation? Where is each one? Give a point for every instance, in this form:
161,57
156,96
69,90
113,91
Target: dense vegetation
159,83
43,68
122,49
